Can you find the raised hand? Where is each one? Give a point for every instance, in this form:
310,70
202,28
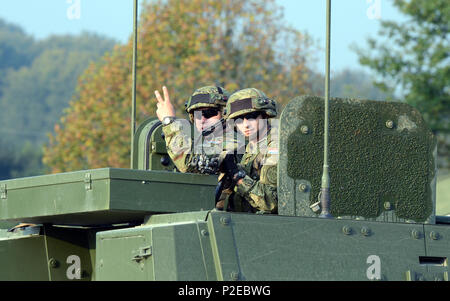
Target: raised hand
164,107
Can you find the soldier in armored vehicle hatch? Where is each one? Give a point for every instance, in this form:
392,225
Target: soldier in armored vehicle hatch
251,184
199,154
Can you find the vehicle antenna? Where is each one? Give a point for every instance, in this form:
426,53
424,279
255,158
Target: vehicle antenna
325,189
133,92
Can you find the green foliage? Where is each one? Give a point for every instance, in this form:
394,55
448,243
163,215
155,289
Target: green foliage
184,44
414,60
349,83
34,96
20,161
17,49
38,80
355,84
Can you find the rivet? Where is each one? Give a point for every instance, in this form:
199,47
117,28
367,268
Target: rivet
53,263
415,234
347,230
434,235
365,231
304,129
234,276
387,205
303,187
225,220
390,124
204,232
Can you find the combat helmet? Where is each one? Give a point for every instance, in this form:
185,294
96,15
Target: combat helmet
250,100
207,97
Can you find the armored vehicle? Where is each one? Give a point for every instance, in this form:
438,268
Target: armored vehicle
150,222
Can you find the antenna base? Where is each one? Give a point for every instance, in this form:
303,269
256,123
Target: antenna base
325,203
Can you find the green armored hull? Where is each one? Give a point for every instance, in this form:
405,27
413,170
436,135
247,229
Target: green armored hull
102,196
152,223
231,246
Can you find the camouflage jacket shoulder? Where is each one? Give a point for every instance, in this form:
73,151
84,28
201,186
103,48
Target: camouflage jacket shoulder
259,187
190,151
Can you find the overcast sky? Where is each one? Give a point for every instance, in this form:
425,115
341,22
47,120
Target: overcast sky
352,21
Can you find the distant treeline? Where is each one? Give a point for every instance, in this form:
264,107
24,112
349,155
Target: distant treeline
38,79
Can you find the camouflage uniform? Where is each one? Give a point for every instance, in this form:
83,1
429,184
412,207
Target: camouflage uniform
258,190
178,135
259,187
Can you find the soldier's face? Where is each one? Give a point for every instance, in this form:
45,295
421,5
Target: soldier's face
205,118
251,125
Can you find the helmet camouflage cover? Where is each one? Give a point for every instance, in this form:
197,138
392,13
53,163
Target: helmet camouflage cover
250,100
207,97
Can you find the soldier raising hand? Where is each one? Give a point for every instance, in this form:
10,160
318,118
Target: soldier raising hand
164,107
198,154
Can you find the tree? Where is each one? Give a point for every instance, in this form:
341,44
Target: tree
184,44
35,95
37,82
19,161
414,60
348,83
16,47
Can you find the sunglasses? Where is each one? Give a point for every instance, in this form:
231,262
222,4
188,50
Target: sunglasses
252,115
206,113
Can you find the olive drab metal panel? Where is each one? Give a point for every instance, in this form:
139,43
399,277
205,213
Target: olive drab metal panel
239,246
381,160
437,244
175,250
104,196
124,255
291,248
23,259
150,147
55,253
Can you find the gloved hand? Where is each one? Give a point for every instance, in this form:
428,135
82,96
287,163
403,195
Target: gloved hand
231,169
229,166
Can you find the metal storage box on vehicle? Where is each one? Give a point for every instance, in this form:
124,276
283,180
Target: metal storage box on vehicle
102,196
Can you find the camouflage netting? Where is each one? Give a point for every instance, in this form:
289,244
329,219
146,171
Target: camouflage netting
370,164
